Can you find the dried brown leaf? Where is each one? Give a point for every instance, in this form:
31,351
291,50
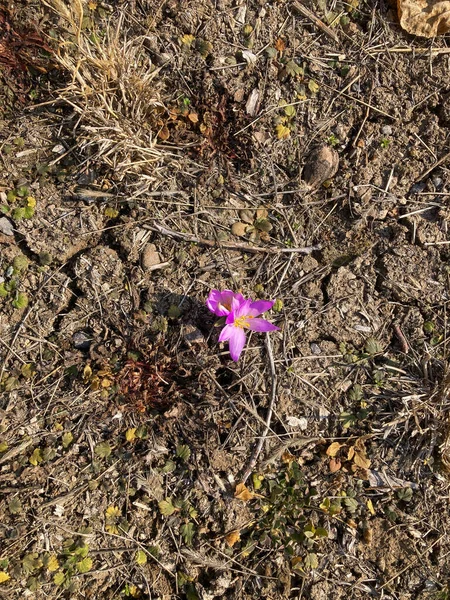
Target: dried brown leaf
243,493
425,18
232,538
239,229
333,449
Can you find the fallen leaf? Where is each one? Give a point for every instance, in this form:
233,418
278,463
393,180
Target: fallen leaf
280,45
3,577
333,449
232,538
425,18
283,132
361,460
249,57
251,106
335,465
239,229
243,493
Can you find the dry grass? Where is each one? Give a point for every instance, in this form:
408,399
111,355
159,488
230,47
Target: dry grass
116,93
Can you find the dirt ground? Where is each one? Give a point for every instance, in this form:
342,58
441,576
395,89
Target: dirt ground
134,136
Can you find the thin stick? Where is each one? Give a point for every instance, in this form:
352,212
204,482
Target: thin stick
259,446
187,237
317,22
436,164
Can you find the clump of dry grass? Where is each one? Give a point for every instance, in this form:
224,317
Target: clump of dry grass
116,93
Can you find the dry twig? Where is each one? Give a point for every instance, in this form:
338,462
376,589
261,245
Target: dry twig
187,237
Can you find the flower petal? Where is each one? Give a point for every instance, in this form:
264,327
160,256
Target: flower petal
236,342
241,309
221,302
261,325
226,333
260,306
213,300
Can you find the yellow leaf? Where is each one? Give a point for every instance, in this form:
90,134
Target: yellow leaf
31,201
283,132
36,457
4,577
333,449
361,460
350,453
87,373
52,563
141,557
112,511
232,538
130,434
243,493
187,39
313,86
370,507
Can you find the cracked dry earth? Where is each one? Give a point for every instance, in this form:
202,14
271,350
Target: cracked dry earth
116,338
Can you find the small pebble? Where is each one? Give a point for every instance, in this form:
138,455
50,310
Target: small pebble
386,130
6,226
81,340
321,164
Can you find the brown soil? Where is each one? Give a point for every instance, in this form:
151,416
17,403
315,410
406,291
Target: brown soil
115,394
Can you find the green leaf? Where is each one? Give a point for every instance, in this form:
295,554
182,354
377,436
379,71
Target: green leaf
355,394
59,578
347,419
187,532
84,565
31,562
183,452
14,506
289,111
28,212
169,467
321,532
292,69
166,507
313,86
351,504
405,494
21,301
141,557
373,346
103,450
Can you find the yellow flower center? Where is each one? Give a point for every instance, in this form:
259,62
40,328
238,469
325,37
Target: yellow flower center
242,321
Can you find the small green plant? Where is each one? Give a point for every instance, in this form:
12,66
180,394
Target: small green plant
74,559
333,140
287,517
384,143
19,204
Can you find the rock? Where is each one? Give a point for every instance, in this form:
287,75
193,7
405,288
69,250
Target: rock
81,340
150,257
321,164
6,226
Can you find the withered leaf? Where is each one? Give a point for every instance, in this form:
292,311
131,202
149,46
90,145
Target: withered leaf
243,493
335,465
232,538
425,18
333,449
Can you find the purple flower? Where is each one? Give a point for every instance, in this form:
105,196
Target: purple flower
244,315
222,303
